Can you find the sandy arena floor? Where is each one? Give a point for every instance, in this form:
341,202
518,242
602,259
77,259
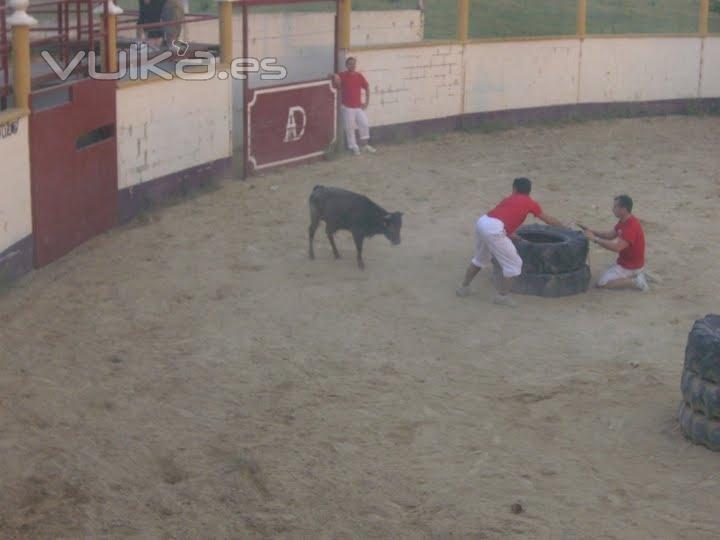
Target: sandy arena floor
193,375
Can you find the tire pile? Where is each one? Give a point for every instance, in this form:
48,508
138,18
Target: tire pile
554,262
699,413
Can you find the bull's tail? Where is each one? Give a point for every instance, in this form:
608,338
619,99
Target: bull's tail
313,201
314,197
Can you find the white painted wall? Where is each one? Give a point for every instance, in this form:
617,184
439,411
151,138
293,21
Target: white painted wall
411,84
386,27
507,75
639,69
367,27
15,209
710,82
303,41
168,126
419,82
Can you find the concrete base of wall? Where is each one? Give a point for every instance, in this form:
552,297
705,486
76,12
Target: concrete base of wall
16,260
135,199
519,117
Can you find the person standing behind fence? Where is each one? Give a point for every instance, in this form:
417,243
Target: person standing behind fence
351,84
151,12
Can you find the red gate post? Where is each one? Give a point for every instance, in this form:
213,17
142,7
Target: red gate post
73,169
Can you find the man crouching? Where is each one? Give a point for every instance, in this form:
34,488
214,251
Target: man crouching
493,233
628,240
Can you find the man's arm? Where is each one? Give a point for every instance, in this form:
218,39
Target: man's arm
615,244
366,87
335,78
551,221
610,235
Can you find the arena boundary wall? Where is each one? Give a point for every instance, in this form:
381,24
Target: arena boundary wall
494,83
173,136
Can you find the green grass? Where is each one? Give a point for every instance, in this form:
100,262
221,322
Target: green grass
508,18
714,23
643,16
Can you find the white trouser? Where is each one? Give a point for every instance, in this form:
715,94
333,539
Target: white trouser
352,119
492,241
616,272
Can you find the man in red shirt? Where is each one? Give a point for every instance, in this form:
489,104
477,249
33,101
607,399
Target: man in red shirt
628,240
351,84
492,238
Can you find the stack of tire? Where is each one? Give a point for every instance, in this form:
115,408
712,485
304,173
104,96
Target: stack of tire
554,261
700,408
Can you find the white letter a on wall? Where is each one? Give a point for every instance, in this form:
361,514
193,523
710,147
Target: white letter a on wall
291,128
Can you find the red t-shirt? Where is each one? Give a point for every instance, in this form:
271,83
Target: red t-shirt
351,84
513,210
633,256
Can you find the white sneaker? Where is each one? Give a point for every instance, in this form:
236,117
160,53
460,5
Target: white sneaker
641,283
370,149
356,151
505,300
462,292
652,277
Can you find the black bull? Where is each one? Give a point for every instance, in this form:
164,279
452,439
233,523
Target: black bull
344,210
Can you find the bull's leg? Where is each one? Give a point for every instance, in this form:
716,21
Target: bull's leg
314,222
332,242
358,237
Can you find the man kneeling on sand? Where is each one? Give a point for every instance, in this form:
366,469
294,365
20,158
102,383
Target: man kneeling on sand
628,240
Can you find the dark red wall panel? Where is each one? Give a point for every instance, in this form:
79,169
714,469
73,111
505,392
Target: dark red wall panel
73,156
291,123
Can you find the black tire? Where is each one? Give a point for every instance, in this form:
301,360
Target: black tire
699,428
702,352
551,250
700,395
548,285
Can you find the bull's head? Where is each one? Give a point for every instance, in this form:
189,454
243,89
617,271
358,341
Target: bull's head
392,224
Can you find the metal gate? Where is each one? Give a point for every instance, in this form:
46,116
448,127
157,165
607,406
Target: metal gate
73,176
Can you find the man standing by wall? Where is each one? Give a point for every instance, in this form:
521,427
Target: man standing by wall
351,84
150,12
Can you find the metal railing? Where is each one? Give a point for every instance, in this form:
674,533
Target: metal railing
68,27
172,30
64,28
